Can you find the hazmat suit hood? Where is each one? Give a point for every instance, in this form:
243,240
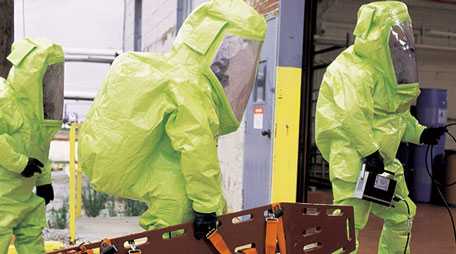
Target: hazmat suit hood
34,62
379,25
229,53
31,93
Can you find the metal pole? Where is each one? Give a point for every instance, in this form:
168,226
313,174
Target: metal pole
89,59
78,173
124,23
180,14
305,139
79,96
110,53
138,26
72,194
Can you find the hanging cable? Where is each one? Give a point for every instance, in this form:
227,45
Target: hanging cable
408,235
398,198
436,183
430,148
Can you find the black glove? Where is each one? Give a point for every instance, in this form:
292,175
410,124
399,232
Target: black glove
33,166
431,136
374,163
203,224
45,191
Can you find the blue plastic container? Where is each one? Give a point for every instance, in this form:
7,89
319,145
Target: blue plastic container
431,109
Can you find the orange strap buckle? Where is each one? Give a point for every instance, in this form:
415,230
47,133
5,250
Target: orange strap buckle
275,232
84,250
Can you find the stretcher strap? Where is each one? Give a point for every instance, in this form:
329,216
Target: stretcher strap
275,233
219,244
281,237
271,236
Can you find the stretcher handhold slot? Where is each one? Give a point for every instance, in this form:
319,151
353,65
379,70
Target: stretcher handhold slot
334,212
312,231
311,247
311,211
242,219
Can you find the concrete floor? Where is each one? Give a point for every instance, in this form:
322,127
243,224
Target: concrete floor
95,229
432,232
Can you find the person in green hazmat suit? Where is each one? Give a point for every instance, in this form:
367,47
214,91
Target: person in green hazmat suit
151,134
363,113
31,105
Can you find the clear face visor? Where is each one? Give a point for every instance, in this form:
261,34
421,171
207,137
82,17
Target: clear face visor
53,96
402,49
235,66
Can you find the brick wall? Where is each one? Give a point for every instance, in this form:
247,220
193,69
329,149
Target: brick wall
264,6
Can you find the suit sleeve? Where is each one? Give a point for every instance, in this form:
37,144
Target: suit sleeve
10,159
190,134
413,130
45,177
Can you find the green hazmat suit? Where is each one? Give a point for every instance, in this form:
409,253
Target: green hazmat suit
25,133
151,134
363,107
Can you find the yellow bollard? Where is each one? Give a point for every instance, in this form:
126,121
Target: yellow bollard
12,250
72,194
79,176
53,246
